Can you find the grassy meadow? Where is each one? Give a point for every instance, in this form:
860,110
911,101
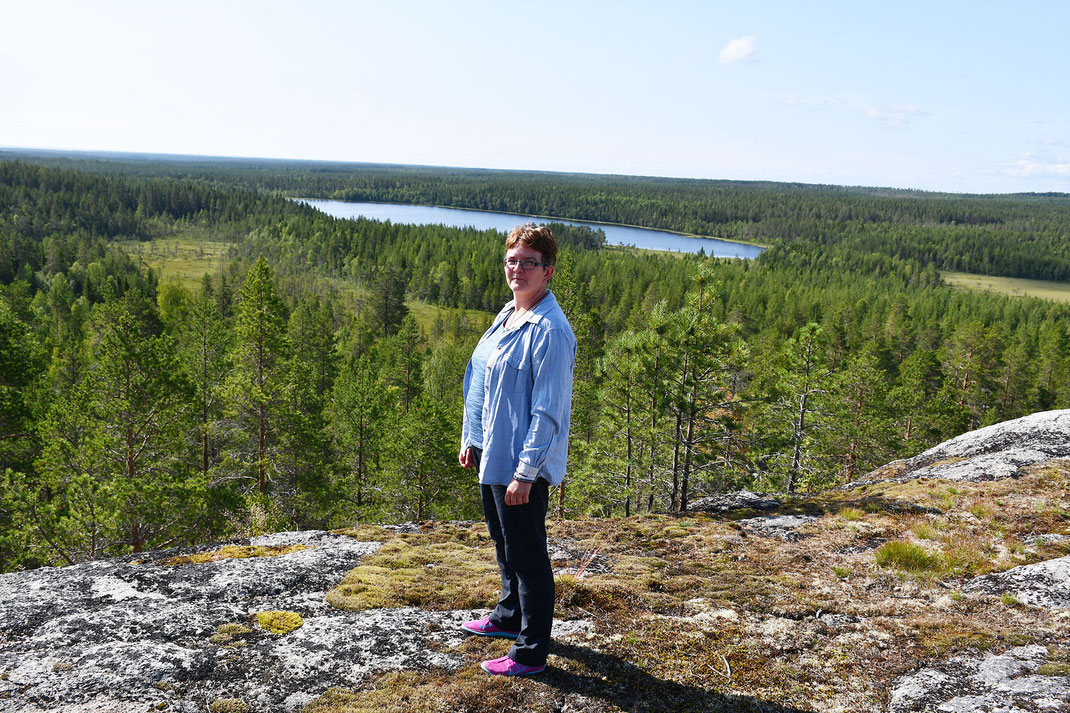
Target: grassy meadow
1019,287
183,259
186,259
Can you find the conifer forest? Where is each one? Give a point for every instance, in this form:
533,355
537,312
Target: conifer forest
297,387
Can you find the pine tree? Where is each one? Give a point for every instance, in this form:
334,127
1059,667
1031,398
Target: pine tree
802,383
700,396
613,481
258,386
204,344
114,472
421,475
857,433
356,420
402,361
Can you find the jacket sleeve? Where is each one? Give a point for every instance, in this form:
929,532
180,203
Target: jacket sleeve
466,436
552,360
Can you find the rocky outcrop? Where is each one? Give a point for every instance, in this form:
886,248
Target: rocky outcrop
1020,679
784,527
990,453
739,500
1043,584
129,633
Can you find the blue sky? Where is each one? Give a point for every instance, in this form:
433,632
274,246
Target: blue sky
954,96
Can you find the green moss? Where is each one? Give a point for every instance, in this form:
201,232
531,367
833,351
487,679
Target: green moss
279,622
431,575
842,572
1009,599
233,552
226,632
1054,669
233,629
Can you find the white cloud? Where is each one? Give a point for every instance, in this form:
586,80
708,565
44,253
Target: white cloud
894,117
738,49
1029,167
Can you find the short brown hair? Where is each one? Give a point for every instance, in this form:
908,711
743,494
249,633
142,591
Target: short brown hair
536,237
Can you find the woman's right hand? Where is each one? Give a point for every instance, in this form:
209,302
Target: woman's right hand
466,458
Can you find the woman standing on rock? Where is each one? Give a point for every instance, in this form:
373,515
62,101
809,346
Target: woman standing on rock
517,403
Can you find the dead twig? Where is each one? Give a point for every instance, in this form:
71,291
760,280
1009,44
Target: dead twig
727,667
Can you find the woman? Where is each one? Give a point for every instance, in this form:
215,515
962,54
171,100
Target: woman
518,399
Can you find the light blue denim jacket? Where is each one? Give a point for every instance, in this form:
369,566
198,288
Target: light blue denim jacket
528,398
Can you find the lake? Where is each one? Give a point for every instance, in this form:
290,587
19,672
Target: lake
504,222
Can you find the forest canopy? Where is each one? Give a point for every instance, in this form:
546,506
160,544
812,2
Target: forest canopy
294,387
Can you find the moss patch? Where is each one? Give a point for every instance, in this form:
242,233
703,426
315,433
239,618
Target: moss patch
279,622
233,552
432,575
227,633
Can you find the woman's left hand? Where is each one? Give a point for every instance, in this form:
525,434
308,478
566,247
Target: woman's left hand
517,493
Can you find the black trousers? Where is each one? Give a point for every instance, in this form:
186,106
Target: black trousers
527,599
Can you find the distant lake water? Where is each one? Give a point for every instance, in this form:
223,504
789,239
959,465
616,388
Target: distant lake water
485,220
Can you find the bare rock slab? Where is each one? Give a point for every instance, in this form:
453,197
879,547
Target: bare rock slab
1015,681
131,632
1042,584
990,453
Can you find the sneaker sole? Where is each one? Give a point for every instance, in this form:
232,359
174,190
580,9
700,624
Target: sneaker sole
525,673
496,634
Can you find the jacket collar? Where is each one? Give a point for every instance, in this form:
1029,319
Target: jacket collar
546,304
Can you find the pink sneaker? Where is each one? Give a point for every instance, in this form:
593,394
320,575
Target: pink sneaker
505,666
483,627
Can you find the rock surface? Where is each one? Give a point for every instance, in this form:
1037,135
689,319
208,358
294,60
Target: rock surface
1011,682
739,500
120,635
784,527
1043,584
990,453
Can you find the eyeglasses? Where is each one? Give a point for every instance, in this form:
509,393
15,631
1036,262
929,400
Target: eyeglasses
525,264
